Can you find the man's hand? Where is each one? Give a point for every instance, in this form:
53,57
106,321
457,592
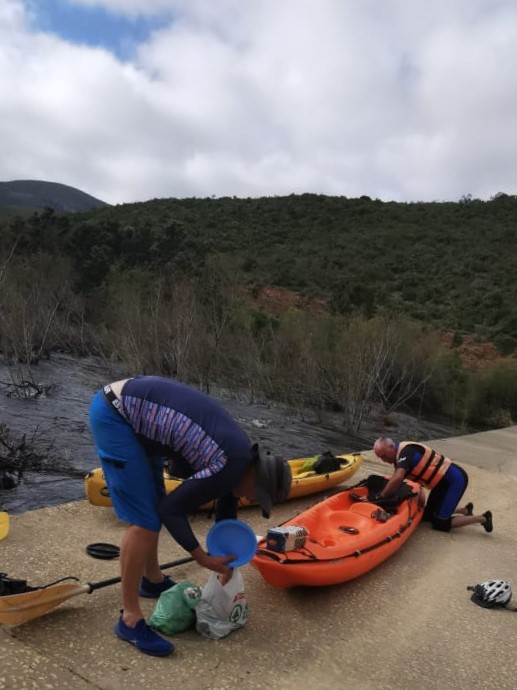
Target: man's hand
225,578
218,564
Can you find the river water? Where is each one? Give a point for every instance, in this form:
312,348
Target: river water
57,424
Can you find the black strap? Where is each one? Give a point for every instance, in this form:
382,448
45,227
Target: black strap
424,469
436,469
113,400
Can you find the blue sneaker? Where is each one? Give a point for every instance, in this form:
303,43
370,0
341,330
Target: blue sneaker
144,638
152,590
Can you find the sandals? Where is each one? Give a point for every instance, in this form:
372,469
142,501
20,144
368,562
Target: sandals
487,525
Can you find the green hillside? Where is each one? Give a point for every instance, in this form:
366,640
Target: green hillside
448,264
168,286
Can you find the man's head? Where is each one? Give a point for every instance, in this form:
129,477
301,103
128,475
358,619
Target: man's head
272,479
385,449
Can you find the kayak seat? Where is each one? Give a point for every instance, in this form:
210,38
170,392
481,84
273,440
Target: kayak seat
365,509
347,518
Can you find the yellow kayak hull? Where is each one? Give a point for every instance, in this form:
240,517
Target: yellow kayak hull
4,524
303,484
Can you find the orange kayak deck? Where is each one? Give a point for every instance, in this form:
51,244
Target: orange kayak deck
346,538
303,484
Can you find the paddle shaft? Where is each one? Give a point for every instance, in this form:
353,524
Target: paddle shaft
21,608
114,580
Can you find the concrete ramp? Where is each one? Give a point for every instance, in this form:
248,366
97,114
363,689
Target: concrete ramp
408,624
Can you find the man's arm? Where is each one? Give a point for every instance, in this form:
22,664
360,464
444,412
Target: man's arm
184,500
396,480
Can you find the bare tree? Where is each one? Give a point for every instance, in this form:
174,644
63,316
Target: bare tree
219,296
405,358
180,326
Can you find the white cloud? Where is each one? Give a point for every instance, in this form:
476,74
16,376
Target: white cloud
254,97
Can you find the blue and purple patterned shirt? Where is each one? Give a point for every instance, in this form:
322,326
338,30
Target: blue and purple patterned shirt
175,421
170,416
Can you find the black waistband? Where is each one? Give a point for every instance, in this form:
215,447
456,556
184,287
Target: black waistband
113,400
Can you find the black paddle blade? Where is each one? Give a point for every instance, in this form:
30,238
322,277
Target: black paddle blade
103,551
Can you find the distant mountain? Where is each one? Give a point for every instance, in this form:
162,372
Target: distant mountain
21,195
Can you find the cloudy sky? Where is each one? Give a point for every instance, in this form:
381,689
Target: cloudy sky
131,100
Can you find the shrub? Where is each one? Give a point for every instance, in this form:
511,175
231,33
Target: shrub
492,393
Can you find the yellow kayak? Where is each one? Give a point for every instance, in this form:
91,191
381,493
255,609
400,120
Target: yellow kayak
306,481
4,524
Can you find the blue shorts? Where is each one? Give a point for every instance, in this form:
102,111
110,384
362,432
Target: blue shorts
444,498
135,480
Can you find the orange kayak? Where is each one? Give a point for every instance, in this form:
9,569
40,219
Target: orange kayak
346,536
305,481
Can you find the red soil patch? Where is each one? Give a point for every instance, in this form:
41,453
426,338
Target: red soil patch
473,354
277,301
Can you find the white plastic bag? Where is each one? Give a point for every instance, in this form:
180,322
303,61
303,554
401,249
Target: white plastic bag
222,609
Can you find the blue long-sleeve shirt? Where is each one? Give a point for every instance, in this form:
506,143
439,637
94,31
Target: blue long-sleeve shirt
173,420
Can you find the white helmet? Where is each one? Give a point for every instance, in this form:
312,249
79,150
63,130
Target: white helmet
492,593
